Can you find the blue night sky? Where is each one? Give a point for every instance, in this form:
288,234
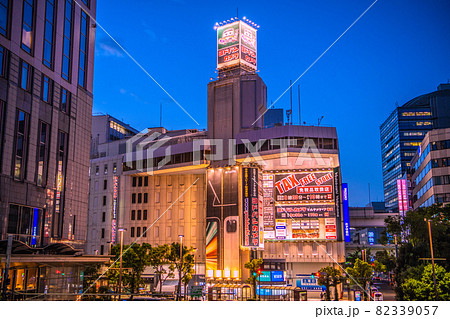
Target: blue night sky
398,50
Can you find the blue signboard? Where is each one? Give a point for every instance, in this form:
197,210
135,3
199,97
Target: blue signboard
277,275
308,283
34,229
346,214
265,276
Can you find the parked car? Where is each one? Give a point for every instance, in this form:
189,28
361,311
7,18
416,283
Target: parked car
378,296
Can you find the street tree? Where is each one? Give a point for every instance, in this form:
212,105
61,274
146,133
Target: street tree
361,275
134,260
183,265
159,259
330,277
423,289
253,266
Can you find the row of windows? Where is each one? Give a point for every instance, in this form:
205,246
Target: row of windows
428,202
141,215
105,169
137,181
440,162
423,113
48,56
442,198
422,174
138,198
138,232
26,74
441,180
440,145
422,157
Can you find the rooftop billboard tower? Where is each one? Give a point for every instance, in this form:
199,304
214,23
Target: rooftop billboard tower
236,46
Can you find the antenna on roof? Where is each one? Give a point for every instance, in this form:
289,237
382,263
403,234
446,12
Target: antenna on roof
292,117
160,114
299,109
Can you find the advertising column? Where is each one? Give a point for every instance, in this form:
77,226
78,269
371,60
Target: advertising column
222,221
252,230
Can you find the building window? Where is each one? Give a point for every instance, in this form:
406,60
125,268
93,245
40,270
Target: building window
65,100
103,233
105,184
145,198
138,231
115,168
133,198
169,231
61,157
104,217
46,90
21,138
169,214
105,169
27,25
169,197
133,215
2,112
314,249
104,200
140,182
144,217
86,2
4,22
144,231
42,156
67,42
3,63
156,231
82,64
300,249
102,249
139,198
26,74
134,181
132,232
139,214
181,213
97,170
146,181
49,29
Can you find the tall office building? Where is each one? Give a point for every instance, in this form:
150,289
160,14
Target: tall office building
402,133
46,83
431,170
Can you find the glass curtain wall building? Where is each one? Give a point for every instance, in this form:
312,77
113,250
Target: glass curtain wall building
402,133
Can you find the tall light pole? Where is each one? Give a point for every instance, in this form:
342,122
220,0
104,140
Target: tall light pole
432,259
181,265
195,267
121,230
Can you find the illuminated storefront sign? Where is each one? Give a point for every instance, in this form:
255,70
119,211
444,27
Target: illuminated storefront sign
346,213
236,44
114,211
35,226
251,212
402,193
312,211
277,275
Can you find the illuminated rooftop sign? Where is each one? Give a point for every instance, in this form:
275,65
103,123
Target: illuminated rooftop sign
236,45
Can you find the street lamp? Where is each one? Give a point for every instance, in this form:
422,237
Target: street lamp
432,258
121,230
181,264
195,267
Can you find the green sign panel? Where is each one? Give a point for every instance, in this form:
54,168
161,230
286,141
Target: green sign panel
196,291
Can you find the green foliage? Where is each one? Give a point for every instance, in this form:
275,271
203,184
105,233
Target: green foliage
386,258
409,267
134,260
361,275
253,266
423,289
330,277
159,259
183,265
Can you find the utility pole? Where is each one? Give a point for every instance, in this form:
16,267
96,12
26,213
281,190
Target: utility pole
121,253
432,259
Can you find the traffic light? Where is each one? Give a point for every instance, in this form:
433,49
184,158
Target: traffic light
259,272
315,275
